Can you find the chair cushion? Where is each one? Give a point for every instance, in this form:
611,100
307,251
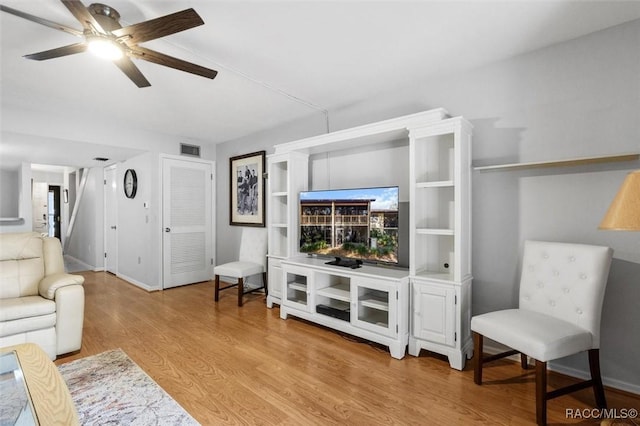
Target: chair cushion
238,269
537,335
21,264
23,314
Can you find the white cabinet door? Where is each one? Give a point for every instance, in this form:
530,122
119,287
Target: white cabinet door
434,313
374,305
275,279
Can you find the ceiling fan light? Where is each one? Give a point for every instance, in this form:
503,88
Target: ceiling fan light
105,49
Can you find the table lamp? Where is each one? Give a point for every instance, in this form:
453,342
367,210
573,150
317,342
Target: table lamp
624,211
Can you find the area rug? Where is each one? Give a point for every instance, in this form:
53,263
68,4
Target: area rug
110,389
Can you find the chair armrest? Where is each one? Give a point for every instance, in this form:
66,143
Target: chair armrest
51,283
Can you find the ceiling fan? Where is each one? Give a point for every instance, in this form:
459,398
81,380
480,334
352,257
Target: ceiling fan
102,32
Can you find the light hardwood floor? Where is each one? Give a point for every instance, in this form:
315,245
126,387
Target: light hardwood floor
231,365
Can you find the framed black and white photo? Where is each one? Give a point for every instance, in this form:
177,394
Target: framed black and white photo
246,192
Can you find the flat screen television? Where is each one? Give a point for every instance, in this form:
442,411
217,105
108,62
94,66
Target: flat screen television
358,224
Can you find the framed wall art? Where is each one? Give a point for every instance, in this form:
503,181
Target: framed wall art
246,192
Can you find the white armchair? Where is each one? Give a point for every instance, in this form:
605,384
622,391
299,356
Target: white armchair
39,302
561,292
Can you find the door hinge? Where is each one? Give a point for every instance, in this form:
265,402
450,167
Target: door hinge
396,294
396,328
211,176
455,337
105,254
212,261
105,181
455,300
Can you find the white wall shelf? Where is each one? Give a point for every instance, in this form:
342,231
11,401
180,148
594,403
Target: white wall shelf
440,240
580,161
438,184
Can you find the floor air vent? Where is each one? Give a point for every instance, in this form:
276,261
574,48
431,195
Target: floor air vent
191,150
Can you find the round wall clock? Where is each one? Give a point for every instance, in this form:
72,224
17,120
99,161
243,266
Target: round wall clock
130,183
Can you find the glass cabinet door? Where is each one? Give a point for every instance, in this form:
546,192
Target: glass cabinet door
297,288
374,305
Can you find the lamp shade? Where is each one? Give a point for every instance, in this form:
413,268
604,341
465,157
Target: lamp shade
624,211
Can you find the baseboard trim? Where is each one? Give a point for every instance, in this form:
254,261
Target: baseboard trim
85,266
136,283
584,375
492,349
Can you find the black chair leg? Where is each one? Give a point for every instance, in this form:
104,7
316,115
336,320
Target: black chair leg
477,358
240,290
216,291
541,393
264,282
524,361
598,388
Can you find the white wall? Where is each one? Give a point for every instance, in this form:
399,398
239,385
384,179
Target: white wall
24,203
139,244
227,236
579,98
9,189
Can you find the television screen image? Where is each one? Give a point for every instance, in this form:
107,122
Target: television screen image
357,223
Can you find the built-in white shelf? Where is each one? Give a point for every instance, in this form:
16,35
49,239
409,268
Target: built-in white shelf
339,292
445,277
434,231
278,194
560,163
278,225
437,184
375,303
298,286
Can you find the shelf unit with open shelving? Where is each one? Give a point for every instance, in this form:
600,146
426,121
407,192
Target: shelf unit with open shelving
440,239
428,303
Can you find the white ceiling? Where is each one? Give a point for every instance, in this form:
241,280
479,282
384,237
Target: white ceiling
277,62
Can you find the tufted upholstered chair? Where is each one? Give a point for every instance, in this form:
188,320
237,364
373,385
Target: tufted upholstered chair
252,260
561,292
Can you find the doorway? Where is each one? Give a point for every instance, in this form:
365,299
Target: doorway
111,220
46,206
53,212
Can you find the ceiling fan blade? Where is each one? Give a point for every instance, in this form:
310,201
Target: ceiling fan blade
127,66
58,52
83,15
159,27
171,62
41,21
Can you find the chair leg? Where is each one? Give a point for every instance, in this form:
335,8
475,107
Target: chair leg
240,290
524,361
541,393
598,389
264,282
477,358
216,291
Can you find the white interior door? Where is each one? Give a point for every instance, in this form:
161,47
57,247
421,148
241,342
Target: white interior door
39,202
111,220
187,221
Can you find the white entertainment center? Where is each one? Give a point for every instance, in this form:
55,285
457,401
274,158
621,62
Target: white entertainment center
425,306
